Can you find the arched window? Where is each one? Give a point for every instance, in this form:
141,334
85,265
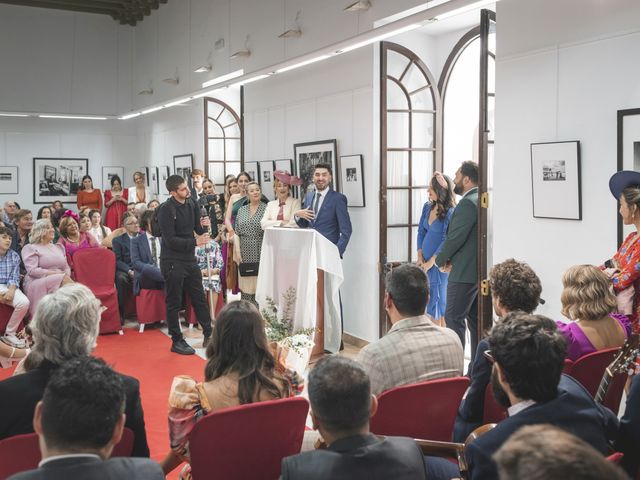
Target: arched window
223,141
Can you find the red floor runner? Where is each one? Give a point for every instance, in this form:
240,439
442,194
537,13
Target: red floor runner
146,356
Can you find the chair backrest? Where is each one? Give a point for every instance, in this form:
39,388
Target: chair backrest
493,412
95,267
422,410
589,369
22,452
616,458
248,442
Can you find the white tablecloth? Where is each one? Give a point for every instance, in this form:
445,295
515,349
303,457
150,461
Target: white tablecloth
289,258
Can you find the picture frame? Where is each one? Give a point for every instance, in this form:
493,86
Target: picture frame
307,155
8,180
163,174
266,178
285,165
57,178
108,173
253,169
628,153
183,166
556,187
352,179
153,180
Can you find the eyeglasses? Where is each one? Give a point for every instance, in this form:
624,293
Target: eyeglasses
488,356
130,223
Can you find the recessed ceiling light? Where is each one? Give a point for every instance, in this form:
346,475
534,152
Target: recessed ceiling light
358,6
203,68
147,91
291,33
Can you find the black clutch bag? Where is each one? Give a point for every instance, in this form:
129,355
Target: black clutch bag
249,269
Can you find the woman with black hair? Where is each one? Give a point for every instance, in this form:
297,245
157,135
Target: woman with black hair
240,369
432,231
115,200
89,197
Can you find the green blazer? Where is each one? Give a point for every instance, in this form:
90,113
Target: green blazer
460,246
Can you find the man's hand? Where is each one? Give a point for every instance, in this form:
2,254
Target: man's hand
130,272
446,268
305,213
205,222
203,239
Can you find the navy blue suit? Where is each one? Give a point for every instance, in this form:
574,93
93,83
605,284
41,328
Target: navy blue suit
573,410
332,221
146,274
124,283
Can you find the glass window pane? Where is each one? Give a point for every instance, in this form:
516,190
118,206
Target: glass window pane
213,109
491,44
422,125
421,168
226,119
214,129
418,198
233,130
233,150
397,207
414,79
233,168
396,63
397,244
216,172
397,169
398,130
216,149
422,100
396,98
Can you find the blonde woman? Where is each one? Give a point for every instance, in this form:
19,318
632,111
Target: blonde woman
588,301
279,212
139,193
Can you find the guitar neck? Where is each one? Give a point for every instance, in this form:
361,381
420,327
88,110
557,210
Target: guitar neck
604,386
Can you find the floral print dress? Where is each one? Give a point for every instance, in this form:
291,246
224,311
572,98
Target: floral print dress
627,261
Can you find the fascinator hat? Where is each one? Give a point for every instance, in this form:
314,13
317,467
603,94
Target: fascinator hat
623,179
287,178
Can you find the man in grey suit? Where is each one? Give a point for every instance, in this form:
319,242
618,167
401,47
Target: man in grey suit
79,421
459,257
341,405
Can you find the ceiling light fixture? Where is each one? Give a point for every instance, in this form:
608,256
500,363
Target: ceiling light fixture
147,91
153,109
13,115
73,117
291,33
240,54
204,68
463,9
178,102
175,80
130,115
360,6
302,64
251,80
223,78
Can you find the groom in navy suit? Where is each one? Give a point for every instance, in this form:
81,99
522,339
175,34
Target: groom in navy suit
325,210
145,264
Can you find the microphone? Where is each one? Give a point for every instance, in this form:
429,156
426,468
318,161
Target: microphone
204,214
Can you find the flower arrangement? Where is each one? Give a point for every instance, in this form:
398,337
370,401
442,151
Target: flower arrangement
279,327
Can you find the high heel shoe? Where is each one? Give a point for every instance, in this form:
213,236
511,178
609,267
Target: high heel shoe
16,355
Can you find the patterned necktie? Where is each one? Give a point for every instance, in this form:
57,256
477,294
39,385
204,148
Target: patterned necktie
154,251
315,206
281,212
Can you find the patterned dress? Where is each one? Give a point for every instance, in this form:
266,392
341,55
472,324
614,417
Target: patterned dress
250,231
215,261
627,260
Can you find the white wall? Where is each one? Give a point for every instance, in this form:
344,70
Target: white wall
564,85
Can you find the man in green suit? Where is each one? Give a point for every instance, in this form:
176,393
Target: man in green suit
459,257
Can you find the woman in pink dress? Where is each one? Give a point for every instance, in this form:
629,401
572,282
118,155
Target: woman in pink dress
115,200
45,262
72,239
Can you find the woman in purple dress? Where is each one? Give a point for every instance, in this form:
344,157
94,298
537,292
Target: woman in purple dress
45,262
589,302
72,239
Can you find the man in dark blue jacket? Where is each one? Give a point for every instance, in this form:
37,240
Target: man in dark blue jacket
124,266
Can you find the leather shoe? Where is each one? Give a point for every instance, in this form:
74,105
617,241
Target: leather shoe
182,347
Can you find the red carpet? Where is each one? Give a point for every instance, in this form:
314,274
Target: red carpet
146,356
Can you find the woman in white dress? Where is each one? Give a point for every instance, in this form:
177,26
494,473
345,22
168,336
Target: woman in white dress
139,193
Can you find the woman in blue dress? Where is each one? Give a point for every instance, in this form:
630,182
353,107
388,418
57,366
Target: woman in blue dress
432,232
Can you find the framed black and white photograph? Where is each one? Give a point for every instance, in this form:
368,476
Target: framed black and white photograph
266,179
163,174
108,173
628,155
307,155
555,180
57,179
153,180
253,169
183,166
8,180
352,180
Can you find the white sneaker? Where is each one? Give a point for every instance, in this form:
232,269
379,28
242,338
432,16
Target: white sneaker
14,341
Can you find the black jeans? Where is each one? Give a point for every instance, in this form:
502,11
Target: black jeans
184,277
124,287
462,304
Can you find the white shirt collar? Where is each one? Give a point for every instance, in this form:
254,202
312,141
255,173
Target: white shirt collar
69,455
323,192
520,406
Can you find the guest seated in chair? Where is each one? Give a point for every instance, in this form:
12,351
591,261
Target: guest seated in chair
589,302
79,421
415,349
45,262
72,239
514,286
240,369
22,224
10,293
528,355
341,405
124,264
628,441
544,452
145,257
65,327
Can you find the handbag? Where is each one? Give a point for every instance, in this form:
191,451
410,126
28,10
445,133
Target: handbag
249,269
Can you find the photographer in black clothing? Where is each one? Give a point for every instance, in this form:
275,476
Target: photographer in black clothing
178,218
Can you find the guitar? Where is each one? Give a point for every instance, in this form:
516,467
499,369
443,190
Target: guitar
625,360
